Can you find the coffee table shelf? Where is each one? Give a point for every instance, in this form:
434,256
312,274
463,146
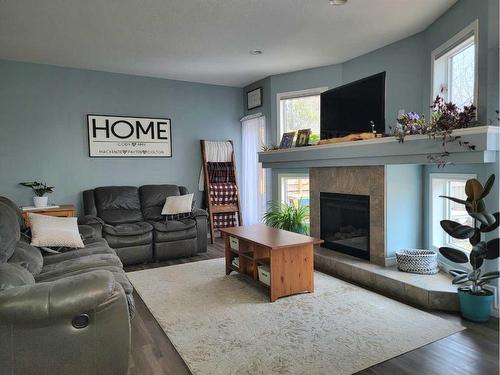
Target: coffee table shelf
288,255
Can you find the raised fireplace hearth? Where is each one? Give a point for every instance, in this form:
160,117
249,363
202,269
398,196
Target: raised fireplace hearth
345,223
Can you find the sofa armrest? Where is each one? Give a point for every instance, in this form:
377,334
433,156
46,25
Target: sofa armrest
94,222
64,298
196,212
200,216
88,231
82,321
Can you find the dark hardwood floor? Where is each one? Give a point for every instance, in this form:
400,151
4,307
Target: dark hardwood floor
473,351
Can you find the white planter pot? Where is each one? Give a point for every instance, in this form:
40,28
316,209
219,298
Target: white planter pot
40,201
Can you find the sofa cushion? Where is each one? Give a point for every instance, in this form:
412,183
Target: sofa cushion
132,229
28,257
13,275
153,198
118,204
9,232
92,246
94,261
51,231
174,230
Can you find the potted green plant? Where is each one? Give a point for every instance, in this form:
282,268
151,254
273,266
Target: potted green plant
40,189
291,217
475,300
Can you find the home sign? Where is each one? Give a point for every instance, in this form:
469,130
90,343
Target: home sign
118,136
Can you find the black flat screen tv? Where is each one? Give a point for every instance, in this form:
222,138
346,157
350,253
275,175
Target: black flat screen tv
350,108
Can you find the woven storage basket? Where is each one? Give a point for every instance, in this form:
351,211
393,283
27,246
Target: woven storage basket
417,261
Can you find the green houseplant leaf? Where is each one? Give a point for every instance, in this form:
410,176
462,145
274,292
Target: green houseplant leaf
489,276
488,185
460,279
457,230
492,249
289,217
456,272
484,217
473,189
477,255
455,255
491,227
460,201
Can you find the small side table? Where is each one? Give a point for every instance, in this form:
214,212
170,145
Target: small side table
66,210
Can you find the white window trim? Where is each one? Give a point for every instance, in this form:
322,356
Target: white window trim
470,30
291,95
432,200
281,176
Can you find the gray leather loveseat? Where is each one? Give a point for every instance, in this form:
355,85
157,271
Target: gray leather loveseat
66,313
130,220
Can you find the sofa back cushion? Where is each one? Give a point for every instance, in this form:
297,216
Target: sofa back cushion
118,204
28,257
13,275
153,199
16,210
10,232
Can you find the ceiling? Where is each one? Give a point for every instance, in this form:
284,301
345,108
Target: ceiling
205,40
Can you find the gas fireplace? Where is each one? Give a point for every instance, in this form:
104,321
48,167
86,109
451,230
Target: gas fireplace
345,223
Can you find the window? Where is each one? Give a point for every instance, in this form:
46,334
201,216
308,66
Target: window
441,209
300,110
294,189
454,68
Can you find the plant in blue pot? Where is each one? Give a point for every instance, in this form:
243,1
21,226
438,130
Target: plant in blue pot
475,300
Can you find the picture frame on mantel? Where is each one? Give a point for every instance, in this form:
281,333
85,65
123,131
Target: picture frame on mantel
254,98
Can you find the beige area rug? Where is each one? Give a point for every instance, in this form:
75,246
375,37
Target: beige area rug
226,325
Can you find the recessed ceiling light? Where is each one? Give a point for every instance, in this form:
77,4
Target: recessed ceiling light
338,2
255,52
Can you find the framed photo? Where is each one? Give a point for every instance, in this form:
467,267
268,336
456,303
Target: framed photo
254,98
129,137
287,140
303,137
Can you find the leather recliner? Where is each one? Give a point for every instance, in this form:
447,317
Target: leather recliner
62,313
132,223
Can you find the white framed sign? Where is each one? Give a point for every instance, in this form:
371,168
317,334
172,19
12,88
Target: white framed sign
131,137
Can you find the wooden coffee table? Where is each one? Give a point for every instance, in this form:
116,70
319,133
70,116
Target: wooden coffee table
289,256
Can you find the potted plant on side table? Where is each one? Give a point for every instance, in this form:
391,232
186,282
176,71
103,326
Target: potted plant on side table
475,300
40,189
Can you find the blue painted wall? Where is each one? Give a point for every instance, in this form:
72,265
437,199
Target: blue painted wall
403,63
43,128
404,195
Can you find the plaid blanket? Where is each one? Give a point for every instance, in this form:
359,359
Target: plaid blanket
224,220
223,193
220,172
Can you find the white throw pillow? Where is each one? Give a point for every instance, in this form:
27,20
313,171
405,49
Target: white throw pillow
180,204
50,231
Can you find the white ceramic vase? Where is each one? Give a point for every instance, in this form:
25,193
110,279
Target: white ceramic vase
40,201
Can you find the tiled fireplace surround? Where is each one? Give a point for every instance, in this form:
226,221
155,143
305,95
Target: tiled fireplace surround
380,274
368,181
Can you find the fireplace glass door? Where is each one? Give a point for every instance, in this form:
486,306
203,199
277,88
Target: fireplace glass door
345,223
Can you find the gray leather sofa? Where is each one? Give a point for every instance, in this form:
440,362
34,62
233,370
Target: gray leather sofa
66,313
130,220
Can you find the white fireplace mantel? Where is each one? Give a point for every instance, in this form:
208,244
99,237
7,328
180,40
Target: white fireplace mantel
385,151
